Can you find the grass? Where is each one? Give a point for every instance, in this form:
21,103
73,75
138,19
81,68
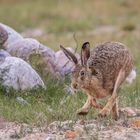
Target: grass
44,105
59,20
51,104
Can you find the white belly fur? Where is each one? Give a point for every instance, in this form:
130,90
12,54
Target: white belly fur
131,76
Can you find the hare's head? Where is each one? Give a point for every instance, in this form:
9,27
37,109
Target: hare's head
79,74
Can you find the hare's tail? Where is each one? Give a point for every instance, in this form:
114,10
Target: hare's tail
131,76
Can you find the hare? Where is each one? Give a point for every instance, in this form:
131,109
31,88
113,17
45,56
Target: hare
100,73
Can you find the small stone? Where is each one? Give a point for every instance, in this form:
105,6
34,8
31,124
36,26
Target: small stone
79,130
70,134
21,100
130,112
90,126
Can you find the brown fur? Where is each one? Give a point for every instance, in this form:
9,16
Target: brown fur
100,74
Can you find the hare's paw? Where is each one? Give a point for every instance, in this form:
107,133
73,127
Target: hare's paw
82,111
103,113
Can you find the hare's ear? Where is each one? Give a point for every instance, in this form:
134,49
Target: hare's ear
69,55
85,53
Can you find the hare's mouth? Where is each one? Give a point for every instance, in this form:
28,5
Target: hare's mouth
74,85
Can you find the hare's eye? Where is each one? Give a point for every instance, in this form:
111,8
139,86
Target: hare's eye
82,73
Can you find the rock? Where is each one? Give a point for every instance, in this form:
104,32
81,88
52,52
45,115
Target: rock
46,51
16,73
130,112
23,48
3,35
48,62
39,56
4,53
12,37
63,62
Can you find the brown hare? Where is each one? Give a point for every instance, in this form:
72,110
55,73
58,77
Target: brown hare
100,73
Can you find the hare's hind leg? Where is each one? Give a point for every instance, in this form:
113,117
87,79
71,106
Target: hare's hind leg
115,113
112,100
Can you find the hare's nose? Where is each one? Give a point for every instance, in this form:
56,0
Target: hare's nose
74,85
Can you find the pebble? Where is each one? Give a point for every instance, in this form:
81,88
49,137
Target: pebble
79,130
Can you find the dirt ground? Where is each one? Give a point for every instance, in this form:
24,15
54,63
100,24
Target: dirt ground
126,128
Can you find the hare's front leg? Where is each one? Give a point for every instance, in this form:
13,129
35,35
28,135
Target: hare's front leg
91,102
95,104
84,110
112,100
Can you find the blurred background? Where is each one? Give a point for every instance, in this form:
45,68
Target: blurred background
53,22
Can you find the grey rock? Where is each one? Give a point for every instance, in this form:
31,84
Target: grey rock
3,35
39,56
48,62
16,73
4,53
23,48
13,36
63,62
